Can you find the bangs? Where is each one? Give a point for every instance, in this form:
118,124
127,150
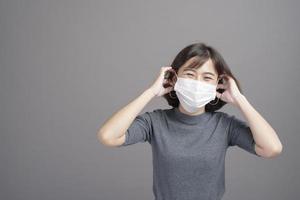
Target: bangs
197,62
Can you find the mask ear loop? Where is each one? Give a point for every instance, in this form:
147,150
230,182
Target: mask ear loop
217,97
173,97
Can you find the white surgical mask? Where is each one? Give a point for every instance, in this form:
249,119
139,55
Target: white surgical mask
194,94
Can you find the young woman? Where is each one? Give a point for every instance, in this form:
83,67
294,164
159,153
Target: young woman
189,141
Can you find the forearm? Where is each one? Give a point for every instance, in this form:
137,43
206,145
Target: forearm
264,135
119,122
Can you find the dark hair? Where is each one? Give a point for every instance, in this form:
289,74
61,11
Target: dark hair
203,53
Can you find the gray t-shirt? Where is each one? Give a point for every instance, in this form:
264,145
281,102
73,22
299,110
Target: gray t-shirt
188,152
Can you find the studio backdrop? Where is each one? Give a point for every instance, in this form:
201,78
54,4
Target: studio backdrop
67,66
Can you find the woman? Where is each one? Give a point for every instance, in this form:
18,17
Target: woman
189,141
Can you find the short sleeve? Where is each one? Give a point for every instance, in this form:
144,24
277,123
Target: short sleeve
240,134
140,130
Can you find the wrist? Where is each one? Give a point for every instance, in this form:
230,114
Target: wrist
240,100
150,92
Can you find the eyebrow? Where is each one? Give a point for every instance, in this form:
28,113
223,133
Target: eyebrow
190,69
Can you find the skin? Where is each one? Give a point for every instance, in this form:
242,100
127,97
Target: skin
199,74
267,142
268,145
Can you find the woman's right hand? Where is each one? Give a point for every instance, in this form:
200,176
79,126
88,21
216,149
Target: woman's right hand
157,87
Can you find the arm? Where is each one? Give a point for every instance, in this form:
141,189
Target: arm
112,132
267,142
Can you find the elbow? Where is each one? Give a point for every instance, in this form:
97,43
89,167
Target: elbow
278,150
103,138
275,151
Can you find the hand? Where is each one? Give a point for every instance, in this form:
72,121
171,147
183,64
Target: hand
231,93
157,87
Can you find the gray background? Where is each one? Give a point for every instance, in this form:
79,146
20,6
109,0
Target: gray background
66,66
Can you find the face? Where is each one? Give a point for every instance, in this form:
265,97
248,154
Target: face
205,73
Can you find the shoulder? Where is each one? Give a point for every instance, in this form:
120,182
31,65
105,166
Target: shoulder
232,120
158,111
219,114
153,114
159,114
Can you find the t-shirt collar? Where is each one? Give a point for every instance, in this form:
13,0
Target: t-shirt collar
190,119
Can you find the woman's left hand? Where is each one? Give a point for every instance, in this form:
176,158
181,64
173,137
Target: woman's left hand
231,93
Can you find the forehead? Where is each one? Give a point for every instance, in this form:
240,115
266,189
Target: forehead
190,65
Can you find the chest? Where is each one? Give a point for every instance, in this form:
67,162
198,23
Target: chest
190,145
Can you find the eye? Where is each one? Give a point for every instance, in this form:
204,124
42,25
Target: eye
189,74
208,78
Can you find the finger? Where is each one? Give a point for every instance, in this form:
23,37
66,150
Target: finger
166,67
165,81
163,70
169,89
228,78
221,86
224,77
218,94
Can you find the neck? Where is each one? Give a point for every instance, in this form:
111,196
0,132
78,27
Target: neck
200,111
